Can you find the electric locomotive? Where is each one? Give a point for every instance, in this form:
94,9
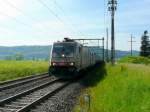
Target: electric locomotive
69,57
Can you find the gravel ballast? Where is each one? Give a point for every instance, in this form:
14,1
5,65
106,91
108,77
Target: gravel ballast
63,101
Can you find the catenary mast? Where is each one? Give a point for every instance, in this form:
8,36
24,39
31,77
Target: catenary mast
112,7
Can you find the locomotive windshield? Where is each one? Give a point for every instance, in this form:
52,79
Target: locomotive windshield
63,50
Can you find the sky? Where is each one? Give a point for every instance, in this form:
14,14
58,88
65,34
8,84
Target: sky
42,22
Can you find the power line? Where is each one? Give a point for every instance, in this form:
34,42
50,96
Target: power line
107,50
25,15
131,41
14,19
20,22
12,5
62,9
22,12
104,13
52,12
106,30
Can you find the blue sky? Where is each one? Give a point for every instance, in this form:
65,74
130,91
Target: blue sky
28,22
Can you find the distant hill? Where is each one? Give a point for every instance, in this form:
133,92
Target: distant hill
41,52
29,52
120,54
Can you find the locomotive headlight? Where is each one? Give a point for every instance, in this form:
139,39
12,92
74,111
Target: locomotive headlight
71,64
63,55
53,64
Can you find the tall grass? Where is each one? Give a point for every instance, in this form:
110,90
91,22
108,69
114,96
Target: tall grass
16,69
126,88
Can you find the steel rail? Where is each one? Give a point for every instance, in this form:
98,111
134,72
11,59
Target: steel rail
20,79
7,100
14,83
24,107
41,99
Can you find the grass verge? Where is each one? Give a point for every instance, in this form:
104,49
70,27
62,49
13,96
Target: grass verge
10,70
135,60
120,88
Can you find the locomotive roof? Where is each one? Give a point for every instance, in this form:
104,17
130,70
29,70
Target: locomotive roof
63,42
68,40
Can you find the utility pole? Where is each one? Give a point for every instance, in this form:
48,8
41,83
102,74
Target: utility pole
131,41
112,7
107,51
103,48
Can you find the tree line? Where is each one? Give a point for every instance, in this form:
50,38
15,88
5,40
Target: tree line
20,57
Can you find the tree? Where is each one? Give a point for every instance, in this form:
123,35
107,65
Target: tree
145,45
8,57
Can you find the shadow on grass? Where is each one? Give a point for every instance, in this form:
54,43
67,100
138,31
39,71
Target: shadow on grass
93,75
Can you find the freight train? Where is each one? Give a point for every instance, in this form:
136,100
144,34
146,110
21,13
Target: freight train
69,57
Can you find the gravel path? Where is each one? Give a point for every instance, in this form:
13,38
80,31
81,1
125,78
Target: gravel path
63,101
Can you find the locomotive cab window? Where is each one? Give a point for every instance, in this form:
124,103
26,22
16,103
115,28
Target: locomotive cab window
63,50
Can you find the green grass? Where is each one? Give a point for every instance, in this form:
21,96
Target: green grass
135,59
120,88
16,69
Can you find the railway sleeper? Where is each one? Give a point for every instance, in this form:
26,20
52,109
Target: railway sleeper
13,106
38,94
30,98
19,104
7,110
35,96
24,101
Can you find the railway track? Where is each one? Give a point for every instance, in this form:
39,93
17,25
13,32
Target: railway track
22,81
26,100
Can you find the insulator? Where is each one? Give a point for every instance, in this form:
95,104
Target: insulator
109,2
109,8
112,2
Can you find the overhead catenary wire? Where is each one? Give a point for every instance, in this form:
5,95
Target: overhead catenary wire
14,19
106,25
104,13
53,13
26,24
29,26
25,15
45,5
67,18
19,10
